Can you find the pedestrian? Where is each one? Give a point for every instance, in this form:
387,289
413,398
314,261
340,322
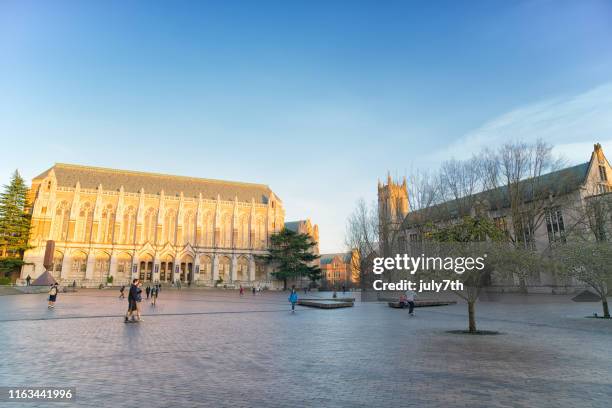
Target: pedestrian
159,287
305,290
73,284
148,291
28,279
241,290
122,292
154,292
132,304
343,289
335,295
52,296
254,290
138,300
293,298
410,296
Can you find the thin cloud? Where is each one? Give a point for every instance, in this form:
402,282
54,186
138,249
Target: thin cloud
571,123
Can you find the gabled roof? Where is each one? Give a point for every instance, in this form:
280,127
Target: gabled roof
326,259
558,183
89,177
293,225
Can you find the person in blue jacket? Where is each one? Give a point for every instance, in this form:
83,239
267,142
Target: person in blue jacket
293,298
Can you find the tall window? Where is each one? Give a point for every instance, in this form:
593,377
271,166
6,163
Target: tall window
226,231
243,231
602,173
170,226
149,225
189,228
129,221
555,226
85,222
207,230
107,224
62,218
260,233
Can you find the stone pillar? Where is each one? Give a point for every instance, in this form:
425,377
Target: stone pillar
134,268
155,272
215,268
91,264
196,268
251,269
112,271
234,268
66,266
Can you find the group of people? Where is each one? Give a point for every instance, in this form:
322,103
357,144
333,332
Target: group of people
254,290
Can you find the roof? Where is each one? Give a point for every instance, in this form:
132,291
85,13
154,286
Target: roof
90,177
293,225
559,182
326,259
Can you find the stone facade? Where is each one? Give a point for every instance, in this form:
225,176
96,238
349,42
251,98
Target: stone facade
160,228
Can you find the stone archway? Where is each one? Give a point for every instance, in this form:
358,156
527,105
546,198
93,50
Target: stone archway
166,268
205,268
145,268
225,264
186,269
242,266
78,266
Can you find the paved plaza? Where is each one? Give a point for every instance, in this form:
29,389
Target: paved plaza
215,349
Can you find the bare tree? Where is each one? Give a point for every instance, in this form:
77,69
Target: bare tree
362,235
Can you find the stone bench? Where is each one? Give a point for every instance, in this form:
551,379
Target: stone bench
424,303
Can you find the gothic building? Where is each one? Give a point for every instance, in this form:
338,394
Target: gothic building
161,228
569,194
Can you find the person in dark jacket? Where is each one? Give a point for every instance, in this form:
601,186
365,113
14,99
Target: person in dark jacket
133,295
148,291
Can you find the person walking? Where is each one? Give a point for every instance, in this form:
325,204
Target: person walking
148,291
52,296
293,298
154,292
138,300
132,306
410,295
254,290
343,289
241,290
28,279
122,292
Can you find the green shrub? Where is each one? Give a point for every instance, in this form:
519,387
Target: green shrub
5,280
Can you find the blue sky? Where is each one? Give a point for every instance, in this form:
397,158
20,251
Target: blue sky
317,99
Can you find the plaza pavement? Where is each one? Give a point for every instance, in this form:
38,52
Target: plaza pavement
214,349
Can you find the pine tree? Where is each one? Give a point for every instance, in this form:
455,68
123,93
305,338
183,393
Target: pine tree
291,254
14,223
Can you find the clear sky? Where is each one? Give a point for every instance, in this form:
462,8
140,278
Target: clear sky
317,99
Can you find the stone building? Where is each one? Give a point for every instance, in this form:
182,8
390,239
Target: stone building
161,228
339,269
563,206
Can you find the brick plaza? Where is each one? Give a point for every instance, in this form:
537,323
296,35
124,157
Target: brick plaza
214,349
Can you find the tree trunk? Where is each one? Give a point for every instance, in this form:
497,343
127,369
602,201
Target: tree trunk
472,316
606,310
284,283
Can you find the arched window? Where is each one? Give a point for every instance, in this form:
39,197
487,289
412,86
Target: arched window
79,266
56,269
85,222
189,228
107,224
226,231
62,218
149,225
243,231
260,233
207,230
170,226
129,221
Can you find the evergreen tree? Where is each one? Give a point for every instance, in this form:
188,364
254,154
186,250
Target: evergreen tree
14,224
291,254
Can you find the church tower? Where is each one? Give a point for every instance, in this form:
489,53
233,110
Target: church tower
393,206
